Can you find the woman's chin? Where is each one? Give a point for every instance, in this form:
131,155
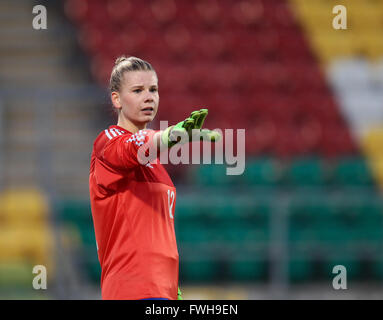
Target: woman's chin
145,119
148,118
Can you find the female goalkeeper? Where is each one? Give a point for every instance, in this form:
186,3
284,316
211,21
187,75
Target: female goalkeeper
133,203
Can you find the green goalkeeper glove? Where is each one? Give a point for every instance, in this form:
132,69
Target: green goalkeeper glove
195,121
179,297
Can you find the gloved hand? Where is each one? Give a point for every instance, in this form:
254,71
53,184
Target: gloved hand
179,297
172,135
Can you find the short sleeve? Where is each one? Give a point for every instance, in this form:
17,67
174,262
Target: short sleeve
128,151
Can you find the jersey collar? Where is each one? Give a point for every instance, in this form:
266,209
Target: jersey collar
119,128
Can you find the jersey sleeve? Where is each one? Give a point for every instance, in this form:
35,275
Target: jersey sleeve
128,151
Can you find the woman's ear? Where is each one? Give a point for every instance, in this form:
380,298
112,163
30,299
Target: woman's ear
115,97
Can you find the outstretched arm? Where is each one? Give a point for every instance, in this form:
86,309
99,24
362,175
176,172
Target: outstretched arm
186,131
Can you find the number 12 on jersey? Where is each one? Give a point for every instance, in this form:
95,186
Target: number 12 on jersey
171,197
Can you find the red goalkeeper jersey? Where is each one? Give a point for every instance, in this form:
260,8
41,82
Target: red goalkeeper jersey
133,207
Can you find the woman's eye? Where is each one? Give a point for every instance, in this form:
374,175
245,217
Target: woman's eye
137,90
154,90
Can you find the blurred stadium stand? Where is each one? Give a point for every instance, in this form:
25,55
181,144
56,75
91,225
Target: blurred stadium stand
309,97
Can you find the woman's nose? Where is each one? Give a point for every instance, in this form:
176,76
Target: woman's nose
149,96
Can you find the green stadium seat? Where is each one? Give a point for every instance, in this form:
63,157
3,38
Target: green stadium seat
360,219
263,172
254,212
241,235
75,211
91,264
247,267
185,209
300,267
213,175
211,210
87,235
352,171
350,261
377,268
199,268
333,235
306,172
195,234
214,210
306,218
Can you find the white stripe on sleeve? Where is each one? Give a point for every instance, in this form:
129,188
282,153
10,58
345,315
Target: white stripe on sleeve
118,131
107,134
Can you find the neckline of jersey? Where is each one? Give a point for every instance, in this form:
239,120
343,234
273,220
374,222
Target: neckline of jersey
119,128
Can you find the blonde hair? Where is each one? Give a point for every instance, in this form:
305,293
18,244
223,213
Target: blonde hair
126,64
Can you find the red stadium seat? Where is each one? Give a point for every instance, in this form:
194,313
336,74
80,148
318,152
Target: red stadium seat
260,137
90,39
101,67
321,107
178,41
97,15
228,105
307,77
77,11
248,13
280,15
269,76
174,78
286,143
164,11
119,11
337,141
293,47
209,13
231,77
201,80
309,135
212,46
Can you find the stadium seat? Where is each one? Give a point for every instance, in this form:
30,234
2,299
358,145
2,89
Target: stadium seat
350,261
178,41
196,233
261,137
300,267
306,172
199,268
377,267
247,15
87,235
17,274
242,234
255,212
90,263
245,267
77,12
164,11
75,211
22,206
337,142
119,11
11,247
212,175
307,217
263,172
353,171
185,209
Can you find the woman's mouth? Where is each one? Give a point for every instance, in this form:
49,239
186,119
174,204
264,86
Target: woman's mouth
148,110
